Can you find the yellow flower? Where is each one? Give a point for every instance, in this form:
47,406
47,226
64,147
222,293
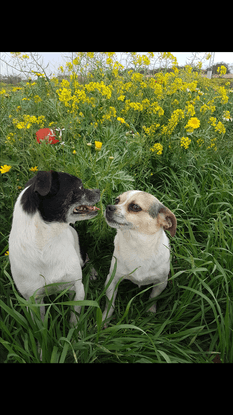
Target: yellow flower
5,168
220,128
158,148
16,88
190,109
109,61
34,169
65,83
200,141
226,116
223,94
146,60
98,145
74,152
212,121
212,141
69,66
136,106
6,253
38,74
121,120
10,136
137,77
185,142
37,98
20,125
222,70
192,124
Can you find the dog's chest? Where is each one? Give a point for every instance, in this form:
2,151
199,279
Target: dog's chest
152,264
45,234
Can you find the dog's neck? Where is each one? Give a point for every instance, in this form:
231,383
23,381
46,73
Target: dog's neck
138,241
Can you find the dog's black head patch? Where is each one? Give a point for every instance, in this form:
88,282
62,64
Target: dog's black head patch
55,195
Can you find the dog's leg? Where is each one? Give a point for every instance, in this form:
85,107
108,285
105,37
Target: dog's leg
111,291
79,296
155,292
42,308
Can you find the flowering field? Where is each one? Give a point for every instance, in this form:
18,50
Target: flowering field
170,134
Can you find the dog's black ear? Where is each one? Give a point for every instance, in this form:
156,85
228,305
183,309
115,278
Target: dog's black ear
43,182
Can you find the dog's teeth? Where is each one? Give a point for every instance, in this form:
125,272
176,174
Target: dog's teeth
85,208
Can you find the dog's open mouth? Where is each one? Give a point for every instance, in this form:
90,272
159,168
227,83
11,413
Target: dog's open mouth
85,209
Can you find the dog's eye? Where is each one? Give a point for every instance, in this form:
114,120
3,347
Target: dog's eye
117,201
134,207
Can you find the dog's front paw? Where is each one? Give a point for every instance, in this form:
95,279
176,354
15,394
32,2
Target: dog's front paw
93,274
73,320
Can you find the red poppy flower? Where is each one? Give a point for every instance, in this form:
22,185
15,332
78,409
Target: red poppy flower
46,133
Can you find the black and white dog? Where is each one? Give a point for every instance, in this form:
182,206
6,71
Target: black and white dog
43,247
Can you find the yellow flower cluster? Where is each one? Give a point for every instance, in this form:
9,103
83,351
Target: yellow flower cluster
163,107
213,144
218,127
176,116
28,120
101,87
122,121
227,116
155,108
222,70
208,106
185,142
38,74
150,131
190,109
37,98
135,105
111,113
72,100
158,148
223,94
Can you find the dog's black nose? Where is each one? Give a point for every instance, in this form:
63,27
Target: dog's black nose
110,208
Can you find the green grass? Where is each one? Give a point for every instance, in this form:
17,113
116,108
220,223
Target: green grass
194,318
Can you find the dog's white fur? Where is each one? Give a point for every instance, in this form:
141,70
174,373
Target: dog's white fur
140,243
44,253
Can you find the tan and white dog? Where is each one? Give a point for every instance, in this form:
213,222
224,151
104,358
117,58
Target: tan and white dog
140,243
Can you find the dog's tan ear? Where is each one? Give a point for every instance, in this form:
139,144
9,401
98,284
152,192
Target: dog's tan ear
43,182
167,219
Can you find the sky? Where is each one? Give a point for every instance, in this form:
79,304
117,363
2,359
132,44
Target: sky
55,59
